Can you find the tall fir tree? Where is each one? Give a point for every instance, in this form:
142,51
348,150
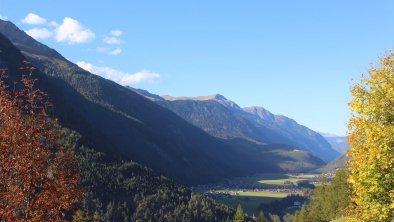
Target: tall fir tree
79,216
239,214
261,217
302,215
274,218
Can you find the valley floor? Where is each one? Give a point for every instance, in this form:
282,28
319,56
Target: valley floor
251,192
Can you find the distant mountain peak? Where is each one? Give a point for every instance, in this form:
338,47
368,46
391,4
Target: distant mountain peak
198,98
260,111
330,134
214,97
218,97
146,94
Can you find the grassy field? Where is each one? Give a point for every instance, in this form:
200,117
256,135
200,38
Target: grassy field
249,203
251,200
275,179
264,194
285,179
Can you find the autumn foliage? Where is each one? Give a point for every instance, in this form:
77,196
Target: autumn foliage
371,137
38,176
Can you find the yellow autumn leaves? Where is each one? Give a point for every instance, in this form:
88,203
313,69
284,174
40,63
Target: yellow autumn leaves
371,137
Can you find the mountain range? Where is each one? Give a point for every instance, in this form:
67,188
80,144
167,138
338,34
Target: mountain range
223,118
127,126
334,165
339,143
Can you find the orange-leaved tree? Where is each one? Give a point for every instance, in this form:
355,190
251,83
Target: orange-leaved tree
39,178
371,137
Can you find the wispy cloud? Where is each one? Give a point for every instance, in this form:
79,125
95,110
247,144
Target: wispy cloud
113,38
39,33
5,18
115,52
120,77
71,32
33,19
116,33
103,49
109,51
53,24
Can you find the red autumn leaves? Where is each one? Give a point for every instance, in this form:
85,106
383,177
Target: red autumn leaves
39,178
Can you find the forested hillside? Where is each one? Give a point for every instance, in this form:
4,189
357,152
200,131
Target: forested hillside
127,191
119,122
48,176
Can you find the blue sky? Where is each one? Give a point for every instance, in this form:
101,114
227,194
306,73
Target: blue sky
295,58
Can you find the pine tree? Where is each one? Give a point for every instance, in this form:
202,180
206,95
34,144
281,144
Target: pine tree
261,217
302,215
96,216
274,218
79,216
239,214
328,201
289,218
109,212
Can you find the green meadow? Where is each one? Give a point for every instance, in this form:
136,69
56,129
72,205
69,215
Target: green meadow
286,179
250,200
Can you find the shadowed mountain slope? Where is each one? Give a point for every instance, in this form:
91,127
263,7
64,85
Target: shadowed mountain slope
223,118
124,124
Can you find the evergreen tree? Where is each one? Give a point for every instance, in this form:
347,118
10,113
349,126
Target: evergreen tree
302,215
274,218
239,214
328,201
96,216
289,218
109,212
261,217
79,216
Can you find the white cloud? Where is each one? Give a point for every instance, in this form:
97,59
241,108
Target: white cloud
109,51
103,49
53,24
140,76
39,33
111,40
116,33
71,32
115,52
122,78
5,18
33,19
